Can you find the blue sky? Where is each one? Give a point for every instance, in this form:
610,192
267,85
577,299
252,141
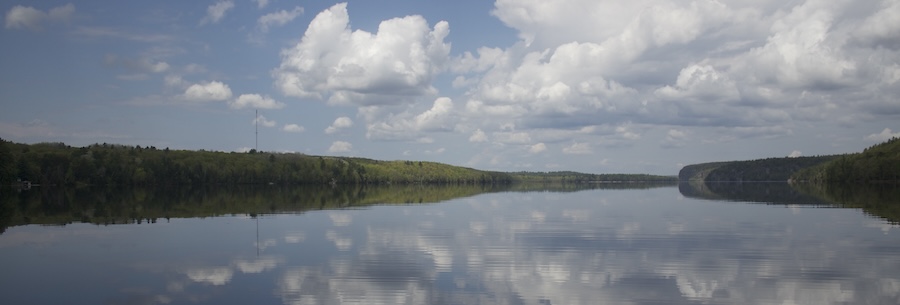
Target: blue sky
595,86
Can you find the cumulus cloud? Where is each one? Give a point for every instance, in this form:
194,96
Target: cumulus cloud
210,91
255,101
175,81
512,137
26,17
339,123
405,126
278,18
261,4
754,68
675,135
478,136
884,135
215,12
795,154
293,128
537,148
340,147
357,67
674,138
578,148
262,121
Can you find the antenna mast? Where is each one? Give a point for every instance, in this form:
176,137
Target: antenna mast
256,125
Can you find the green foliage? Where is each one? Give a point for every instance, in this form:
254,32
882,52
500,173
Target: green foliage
770,169
7,164
879,163
110,164
107,164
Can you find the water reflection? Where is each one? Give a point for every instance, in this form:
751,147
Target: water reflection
647,246
61,206
879,200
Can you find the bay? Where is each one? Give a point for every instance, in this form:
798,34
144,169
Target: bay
445,245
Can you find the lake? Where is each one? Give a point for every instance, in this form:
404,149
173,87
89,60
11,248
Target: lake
453,245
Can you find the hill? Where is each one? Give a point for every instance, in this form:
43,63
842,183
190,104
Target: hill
771,169
878,163
111,164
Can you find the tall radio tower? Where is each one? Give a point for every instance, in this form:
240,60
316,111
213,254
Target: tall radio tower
256,126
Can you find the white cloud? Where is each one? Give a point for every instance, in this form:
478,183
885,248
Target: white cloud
211,91
703,83
261,4
674,138
512,137
884,135
435,118
578,148
405,126
293,128
255,101
744,66
675,135
478,136
537,148
397,62
795,154
278,18
261,120
215,12
175,81
340,147
26,17
339,123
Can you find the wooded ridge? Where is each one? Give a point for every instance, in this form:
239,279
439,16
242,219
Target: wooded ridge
112,164
878,163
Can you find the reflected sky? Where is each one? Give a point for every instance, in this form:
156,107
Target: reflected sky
593,247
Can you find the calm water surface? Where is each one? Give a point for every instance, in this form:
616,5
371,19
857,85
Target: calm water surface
645,246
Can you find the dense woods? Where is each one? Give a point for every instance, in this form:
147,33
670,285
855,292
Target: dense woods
878,163
109,164
770,169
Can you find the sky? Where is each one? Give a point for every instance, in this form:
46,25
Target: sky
643,86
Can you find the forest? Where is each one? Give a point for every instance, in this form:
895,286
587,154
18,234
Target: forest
770,169
112,164
878,163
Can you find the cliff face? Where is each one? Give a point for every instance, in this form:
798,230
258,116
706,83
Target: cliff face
771,169
698,172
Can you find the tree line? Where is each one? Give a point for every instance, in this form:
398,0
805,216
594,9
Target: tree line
878,163
112,164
